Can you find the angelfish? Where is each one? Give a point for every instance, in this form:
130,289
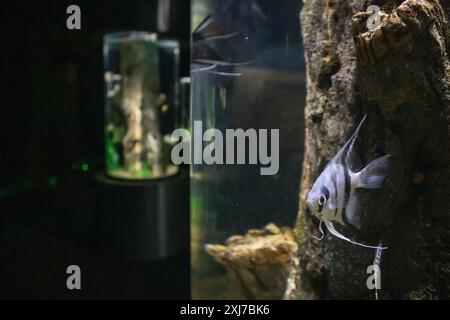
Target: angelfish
332,199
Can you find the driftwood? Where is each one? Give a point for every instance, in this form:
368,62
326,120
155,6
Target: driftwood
399,75
257,263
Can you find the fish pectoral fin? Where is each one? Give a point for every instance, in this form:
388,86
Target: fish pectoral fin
331,205
334,232
353,211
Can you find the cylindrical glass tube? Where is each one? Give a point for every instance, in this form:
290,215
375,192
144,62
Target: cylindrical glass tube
183,116
141,89
246,73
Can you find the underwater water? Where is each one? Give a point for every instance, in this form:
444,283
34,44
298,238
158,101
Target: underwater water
141,103
247,73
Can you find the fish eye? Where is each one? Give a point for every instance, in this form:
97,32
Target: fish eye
322,199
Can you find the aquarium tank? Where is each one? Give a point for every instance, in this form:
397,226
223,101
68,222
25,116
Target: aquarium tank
141,76
247,75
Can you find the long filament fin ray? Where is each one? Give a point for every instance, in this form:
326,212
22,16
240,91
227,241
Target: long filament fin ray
334,232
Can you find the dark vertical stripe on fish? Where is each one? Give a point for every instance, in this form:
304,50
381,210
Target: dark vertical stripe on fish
347,183
333,180
347,188
340,181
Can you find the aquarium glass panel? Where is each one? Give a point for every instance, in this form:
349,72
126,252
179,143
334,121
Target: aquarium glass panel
248,95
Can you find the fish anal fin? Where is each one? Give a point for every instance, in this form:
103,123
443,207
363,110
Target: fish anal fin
339,219
353,211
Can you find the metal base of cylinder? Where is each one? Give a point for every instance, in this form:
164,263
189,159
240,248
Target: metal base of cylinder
143,220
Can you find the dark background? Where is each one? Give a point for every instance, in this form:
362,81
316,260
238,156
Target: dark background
52,145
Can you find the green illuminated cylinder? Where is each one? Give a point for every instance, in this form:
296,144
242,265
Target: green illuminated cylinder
141,88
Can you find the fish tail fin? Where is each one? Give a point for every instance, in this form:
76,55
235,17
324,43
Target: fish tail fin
372,176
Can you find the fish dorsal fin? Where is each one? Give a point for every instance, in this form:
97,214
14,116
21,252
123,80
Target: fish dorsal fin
334,232
347,155
202,25
353,160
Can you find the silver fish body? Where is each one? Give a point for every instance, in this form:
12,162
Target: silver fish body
333,198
